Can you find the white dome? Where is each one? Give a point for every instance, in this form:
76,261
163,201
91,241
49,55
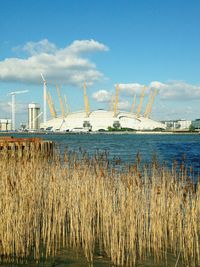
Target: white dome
101,120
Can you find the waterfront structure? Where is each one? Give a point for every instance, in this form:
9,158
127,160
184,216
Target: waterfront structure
23,147
5,125
34,116
101,120
196,124
185,124
178,124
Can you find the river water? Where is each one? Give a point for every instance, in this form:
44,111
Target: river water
166,147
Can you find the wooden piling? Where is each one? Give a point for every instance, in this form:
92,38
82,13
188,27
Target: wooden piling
28,146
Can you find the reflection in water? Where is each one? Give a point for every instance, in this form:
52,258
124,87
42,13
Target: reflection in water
69,258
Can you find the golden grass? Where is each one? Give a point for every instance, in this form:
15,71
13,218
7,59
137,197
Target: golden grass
82,203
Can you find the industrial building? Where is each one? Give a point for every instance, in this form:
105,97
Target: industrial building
5,125
178,124
99,120
34,116
196,124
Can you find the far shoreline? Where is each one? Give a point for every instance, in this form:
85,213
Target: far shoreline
10,133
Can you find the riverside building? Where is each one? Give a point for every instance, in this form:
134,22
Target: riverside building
33,116
5,125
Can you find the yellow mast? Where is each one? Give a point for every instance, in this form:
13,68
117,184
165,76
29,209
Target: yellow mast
151,104
51,105
86,101
133,104
141,101
148,104
116,100
66,105
88,105
112,103
61,102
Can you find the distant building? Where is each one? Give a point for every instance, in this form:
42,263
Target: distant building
185,124
178,124
196,124
33,116
5,125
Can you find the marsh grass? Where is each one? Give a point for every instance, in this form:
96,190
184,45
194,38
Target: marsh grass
83,203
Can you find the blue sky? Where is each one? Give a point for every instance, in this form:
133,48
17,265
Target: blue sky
134,43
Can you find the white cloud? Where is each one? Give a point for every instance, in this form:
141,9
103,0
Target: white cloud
173,90
131,88
86,46
177,90
102,96
123,105
43,46
65,65
157,85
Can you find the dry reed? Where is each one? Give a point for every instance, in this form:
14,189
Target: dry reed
85,203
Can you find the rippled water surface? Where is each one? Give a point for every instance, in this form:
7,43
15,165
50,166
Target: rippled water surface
167,147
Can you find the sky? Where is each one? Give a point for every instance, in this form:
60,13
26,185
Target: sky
133,43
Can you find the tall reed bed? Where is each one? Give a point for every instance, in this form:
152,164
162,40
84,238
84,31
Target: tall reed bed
89,204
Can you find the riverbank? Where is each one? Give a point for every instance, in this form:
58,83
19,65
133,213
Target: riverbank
103,132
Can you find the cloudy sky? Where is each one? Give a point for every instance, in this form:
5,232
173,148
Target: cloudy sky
131,43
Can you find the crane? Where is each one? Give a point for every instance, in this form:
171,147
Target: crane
133,104
44,99
151,103
141,101
86,100
116,100
61,102
13,95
